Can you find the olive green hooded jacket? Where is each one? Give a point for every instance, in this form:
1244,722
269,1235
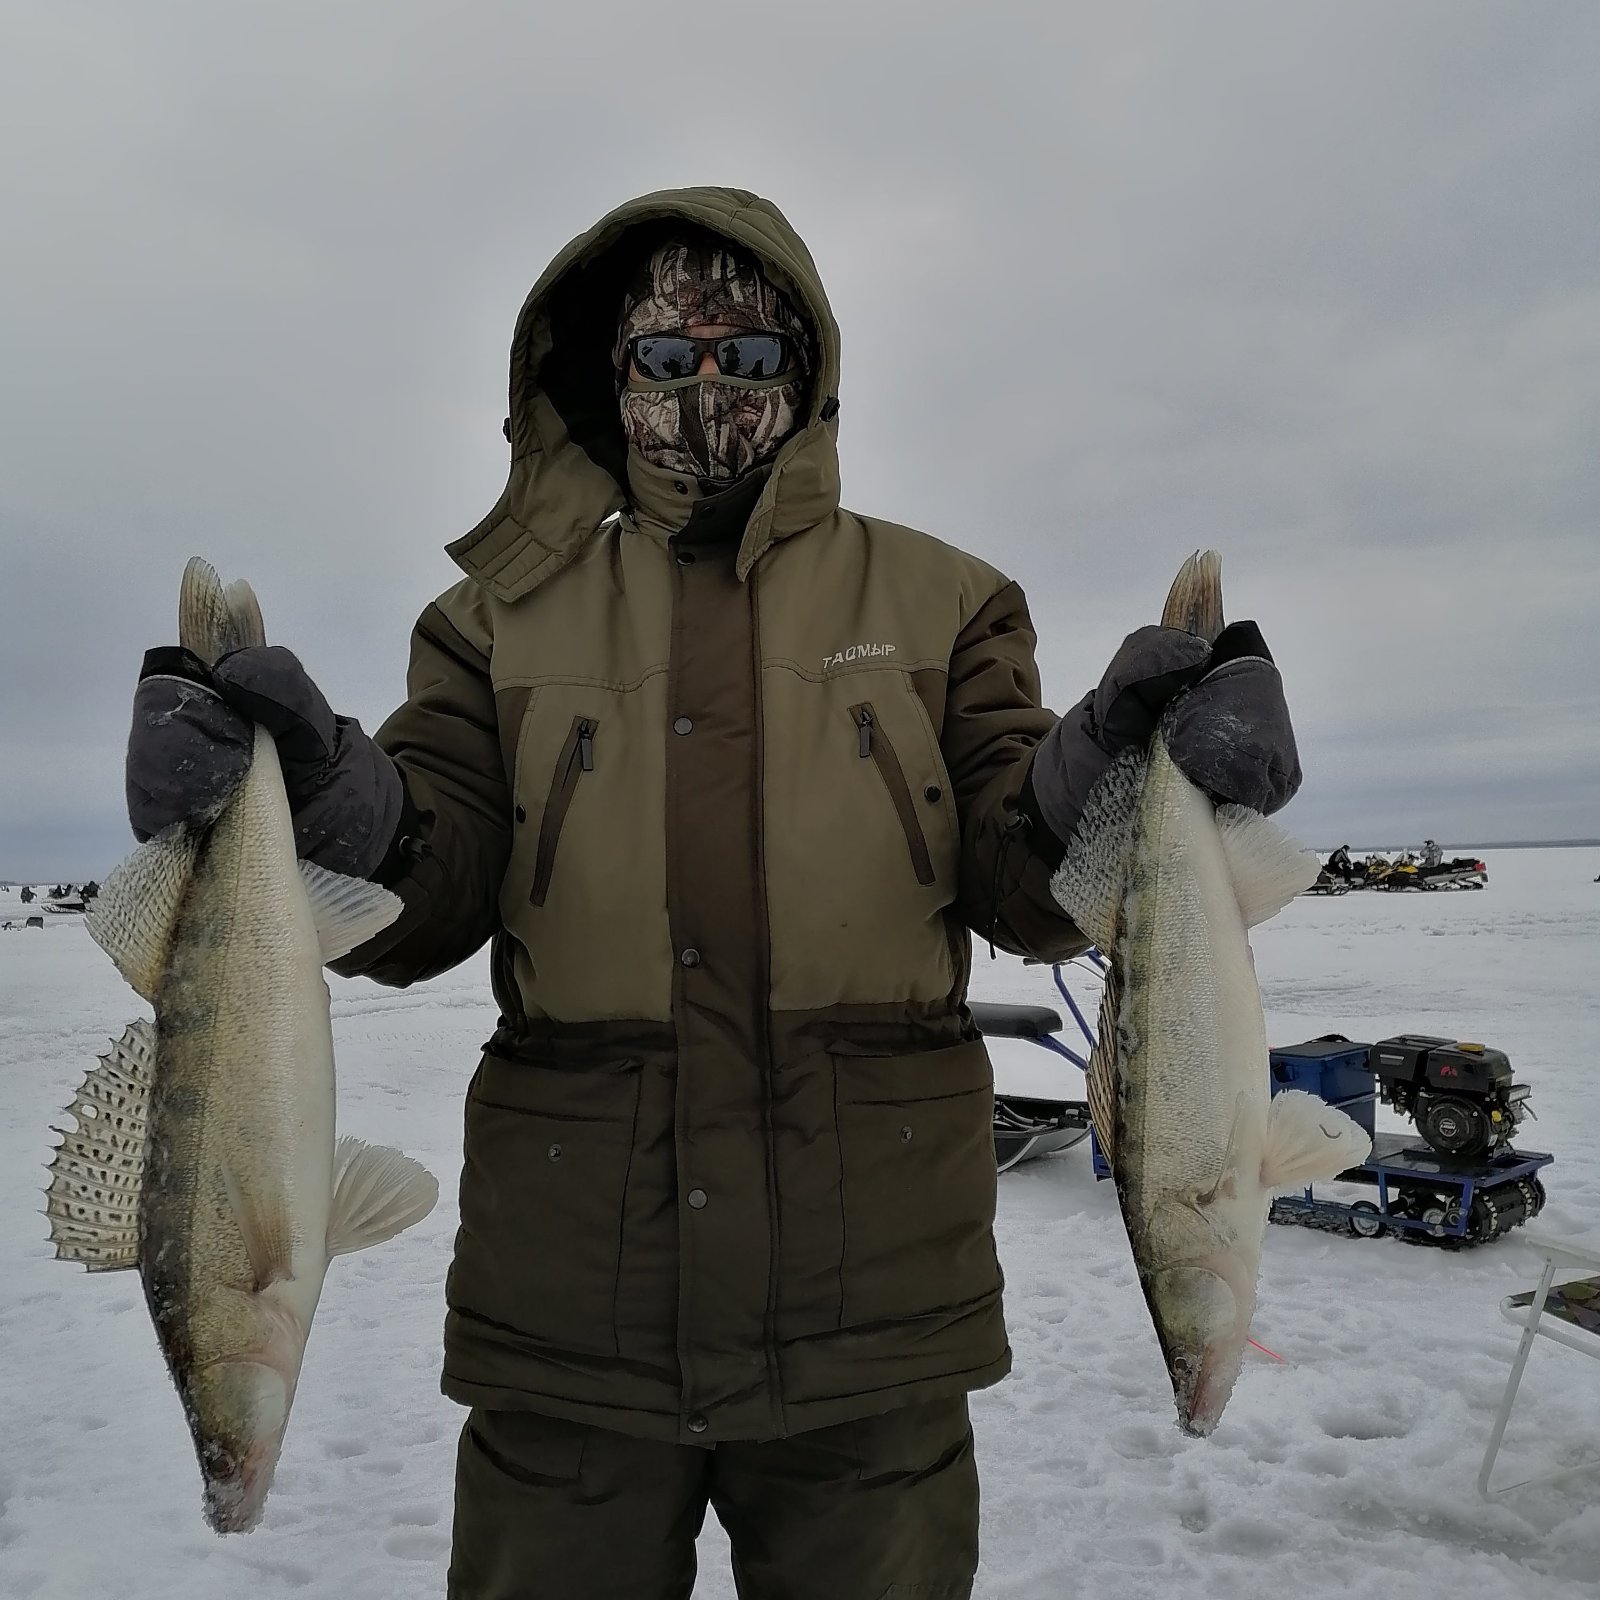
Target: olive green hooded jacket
726,779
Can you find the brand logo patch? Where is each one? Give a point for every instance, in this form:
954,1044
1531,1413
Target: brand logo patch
856,652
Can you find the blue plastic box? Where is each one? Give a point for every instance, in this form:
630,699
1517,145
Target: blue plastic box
1332,1068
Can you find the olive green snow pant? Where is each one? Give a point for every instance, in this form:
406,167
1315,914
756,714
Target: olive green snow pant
883,1507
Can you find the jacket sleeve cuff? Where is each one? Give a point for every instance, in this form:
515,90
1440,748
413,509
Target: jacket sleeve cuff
1066,765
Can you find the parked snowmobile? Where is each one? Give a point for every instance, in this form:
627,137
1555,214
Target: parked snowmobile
1460,872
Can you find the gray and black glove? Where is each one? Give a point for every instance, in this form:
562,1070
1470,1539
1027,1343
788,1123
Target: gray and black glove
1228,729
191,742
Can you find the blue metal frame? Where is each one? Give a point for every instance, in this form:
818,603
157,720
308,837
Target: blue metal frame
1423,1166
1406,1159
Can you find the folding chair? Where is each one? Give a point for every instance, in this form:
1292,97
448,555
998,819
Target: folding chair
1568,1313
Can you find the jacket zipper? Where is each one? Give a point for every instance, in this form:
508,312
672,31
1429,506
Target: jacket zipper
872,743
576,758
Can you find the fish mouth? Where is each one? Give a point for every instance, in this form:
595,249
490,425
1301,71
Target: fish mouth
236,1496
1213,1383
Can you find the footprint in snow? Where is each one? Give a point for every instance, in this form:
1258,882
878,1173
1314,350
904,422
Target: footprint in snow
415,1517
1142,1442
292,1573
1248,1536
417,1544
1359,1424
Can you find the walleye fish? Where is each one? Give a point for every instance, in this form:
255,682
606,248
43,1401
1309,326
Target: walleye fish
1168,886
204,1151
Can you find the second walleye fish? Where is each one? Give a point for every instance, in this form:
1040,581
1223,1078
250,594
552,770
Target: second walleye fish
1168,885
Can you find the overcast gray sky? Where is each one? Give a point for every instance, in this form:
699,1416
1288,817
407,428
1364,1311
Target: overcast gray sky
1318,284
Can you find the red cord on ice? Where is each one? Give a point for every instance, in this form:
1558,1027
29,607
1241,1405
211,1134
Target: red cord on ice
1266,1352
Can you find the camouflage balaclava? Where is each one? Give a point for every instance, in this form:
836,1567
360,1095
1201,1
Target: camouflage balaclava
710,427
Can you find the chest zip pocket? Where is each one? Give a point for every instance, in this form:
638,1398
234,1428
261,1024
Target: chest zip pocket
872,744
576,758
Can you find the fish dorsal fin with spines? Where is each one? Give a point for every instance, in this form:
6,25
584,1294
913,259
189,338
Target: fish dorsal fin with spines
1101,1079
1309,1141
212,621
377,1193
92,1199
132,917
1088,884
1194,603
348,911
1267,867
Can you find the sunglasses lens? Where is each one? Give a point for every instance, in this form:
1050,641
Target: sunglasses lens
664,356
752,355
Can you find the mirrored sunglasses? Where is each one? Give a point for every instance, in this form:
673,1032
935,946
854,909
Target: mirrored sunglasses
663,356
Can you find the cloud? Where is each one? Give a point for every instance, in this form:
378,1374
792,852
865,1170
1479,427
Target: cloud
1313,284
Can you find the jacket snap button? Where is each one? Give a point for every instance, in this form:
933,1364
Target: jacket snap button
683,725
690,958
933,794
522,813
554,1152
686,558
905,1134
697,1199
680,486
698,1424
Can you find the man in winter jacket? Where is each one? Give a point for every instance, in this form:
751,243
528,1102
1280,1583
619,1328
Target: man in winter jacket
726,775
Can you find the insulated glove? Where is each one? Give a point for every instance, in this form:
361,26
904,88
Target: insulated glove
1222,713
193,736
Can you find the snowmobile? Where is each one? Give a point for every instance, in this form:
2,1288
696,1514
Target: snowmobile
1462,872
1330,883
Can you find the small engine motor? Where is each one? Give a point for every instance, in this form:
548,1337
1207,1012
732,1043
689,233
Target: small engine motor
1460,1095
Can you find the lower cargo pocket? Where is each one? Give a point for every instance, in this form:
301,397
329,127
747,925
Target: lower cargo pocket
916,1142
543,1192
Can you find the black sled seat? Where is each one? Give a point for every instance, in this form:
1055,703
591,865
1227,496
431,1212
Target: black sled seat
1014,1022
1025,1126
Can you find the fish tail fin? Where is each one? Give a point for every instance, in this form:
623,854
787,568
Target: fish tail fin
248,627
212,621
1194,603
1307,1140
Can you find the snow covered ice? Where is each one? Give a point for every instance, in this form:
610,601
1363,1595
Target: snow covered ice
1352,1466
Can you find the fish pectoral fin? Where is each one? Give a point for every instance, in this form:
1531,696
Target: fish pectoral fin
1089,882
348,911
262,1213
97,1173
1308,1139
377,1193
132,917
1227,1173
1267,868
